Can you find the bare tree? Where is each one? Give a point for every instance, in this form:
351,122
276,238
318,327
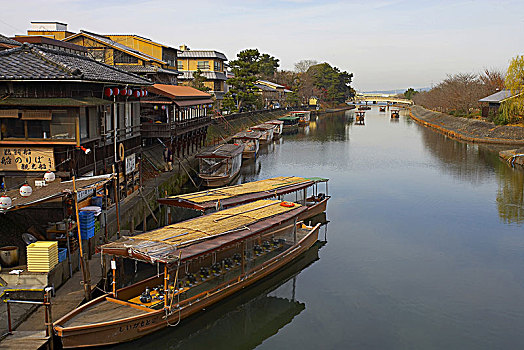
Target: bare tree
303,65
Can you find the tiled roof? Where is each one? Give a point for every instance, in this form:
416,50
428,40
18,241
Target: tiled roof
264,87
147,69
271,84
30,62
207,74
8,41
497,97
202,54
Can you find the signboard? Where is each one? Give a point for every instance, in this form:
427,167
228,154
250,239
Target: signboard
81,195
27,159
130,164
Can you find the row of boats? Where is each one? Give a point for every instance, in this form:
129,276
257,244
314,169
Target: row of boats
245,233
220,164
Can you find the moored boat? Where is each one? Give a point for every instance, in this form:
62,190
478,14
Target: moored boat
220,164
382,108
266,130
304,117
302,190
205,260
395,113
251,141
364,108
290,124
279,128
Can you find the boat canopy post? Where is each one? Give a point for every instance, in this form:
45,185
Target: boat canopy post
166,281
113,267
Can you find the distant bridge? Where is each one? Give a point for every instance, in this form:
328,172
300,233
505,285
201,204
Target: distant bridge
376,98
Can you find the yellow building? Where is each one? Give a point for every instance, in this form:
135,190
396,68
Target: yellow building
211,63
102,48
53,30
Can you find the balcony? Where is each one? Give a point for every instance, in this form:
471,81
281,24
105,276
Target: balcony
166,130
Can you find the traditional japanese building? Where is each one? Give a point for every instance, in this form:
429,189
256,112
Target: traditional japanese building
178,115
66,113
7,43
103,49
54,30
211,63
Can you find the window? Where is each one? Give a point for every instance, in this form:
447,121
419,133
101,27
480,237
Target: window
122,57
84,124
62,126
180,65
12,128
217,66
38,129
203,65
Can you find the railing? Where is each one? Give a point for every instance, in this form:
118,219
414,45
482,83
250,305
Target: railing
153,130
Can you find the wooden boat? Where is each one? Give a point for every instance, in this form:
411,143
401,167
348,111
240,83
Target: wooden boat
290,124
364,108
219,165
382,108
395,113
279,128
266,130
251,141
304,117
205,260
288,188
360,117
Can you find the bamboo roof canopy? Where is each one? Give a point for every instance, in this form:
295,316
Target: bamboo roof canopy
247,192
204,233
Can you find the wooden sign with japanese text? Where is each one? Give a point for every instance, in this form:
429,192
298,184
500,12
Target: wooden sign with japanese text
26,159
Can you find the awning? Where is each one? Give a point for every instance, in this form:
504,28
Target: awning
53,190
186,103
55,102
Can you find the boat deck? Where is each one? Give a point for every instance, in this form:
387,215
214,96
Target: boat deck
104,311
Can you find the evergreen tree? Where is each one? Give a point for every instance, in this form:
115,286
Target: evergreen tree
198,81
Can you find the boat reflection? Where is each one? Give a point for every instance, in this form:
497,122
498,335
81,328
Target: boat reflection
241,322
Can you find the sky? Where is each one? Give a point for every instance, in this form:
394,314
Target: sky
386,44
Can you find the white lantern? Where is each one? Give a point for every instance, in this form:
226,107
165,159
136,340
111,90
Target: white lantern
49,176
26,190
5,202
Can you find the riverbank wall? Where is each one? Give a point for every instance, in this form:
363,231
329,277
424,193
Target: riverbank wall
510,137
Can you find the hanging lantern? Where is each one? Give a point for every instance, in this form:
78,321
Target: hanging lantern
143,92
25,190
155,108
108,92
49,176
129,92
123,92
137,93
147,92
164,107
116,91
5,202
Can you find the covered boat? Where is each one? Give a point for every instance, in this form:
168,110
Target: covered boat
395,113
304,117
251,141
220,164
292,188
204,260
279,128
266,130
290,124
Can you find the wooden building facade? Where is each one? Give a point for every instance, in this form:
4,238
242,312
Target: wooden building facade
66,113
178,115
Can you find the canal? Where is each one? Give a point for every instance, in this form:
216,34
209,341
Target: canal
425,248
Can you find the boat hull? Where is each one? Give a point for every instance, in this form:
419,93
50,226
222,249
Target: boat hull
119,331
315,209
218,181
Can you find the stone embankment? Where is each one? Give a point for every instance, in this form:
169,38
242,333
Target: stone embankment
511,137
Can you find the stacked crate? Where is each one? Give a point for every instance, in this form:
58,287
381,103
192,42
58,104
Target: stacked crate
42,256
87,224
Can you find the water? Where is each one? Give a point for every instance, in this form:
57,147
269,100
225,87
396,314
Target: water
425,248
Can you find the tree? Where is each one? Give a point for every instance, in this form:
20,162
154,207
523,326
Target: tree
409,93
249,66
332,84
267,66
198,81
512,110
228,103
303,65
